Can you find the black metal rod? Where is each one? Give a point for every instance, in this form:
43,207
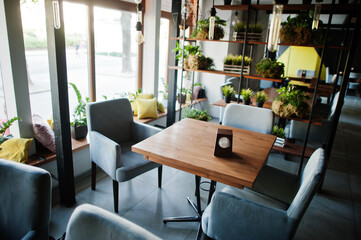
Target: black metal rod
315,90
184,40
344,83
243,52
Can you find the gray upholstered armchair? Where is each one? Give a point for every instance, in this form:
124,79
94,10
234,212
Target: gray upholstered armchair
317,134
112,132
273,209
91,222
25,201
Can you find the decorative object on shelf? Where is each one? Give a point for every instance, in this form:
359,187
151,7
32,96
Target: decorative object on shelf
202,29
212,22
193,58
278,131
291,103
199,91
139,38
4,126
298,30
196,114
254,32
316,15
246,95
233,64
224,141
270,68
227,2
274,31
79,127
228,92
261,97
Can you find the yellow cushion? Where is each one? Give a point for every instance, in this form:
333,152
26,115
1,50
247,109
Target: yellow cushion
141,96
161,107
16,149
147,108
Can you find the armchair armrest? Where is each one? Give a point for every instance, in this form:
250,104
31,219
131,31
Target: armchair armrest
105,153
247,214
142,131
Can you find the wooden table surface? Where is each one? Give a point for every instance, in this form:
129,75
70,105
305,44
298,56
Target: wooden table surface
188,145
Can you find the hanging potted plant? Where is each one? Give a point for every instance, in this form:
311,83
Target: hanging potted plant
228,92
79,127
233,64
291,103
269,68
261,97
202,29
246,95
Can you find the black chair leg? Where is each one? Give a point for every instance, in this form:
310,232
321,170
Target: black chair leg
116,195
94,175
160,170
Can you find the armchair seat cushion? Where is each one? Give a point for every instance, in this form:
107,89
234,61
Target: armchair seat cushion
277,184
132,164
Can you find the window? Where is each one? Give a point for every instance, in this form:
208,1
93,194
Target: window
163,56
34,28
3,111
115,52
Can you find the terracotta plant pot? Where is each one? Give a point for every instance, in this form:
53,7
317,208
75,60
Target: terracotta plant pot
79,132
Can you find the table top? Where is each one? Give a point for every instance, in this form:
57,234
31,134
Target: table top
188,145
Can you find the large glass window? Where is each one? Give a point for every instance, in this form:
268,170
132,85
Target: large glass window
116,52
34,28
3,111
76,35
163,58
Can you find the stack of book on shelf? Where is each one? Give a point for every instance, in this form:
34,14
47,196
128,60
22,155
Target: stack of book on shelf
280,142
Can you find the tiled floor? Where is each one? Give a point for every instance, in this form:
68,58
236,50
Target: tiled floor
335,213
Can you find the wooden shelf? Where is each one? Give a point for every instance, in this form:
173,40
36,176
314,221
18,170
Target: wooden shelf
295,8
294,149
249,76
258,43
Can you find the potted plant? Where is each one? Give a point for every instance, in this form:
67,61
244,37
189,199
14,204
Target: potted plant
254,32
291,102
298,30
261,97
196,114
79,127
228,92
270,68
233,64
246,95
193,58
278,131
4,126
182,99
202,29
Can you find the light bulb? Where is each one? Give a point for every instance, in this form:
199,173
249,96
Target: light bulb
139,38
274,31
56,14
212,21
316,16
236,19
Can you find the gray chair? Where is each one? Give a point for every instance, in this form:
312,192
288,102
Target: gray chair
112,132
25,201
248,118
91,222
273,209
318,134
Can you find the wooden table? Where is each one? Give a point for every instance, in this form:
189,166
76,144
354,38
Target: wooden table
188,145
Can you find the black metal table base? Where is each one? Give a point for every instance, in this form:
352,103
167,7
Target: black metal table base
196,207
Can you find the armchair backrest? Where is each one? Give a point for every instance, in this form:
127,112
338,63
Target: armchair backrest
310,180
91,222
25,197
248,118
112,118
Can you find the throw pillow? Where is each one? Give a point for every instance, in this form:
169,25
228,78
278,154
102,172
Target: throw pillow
16,149
43,133
161,107
141,96
147,108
